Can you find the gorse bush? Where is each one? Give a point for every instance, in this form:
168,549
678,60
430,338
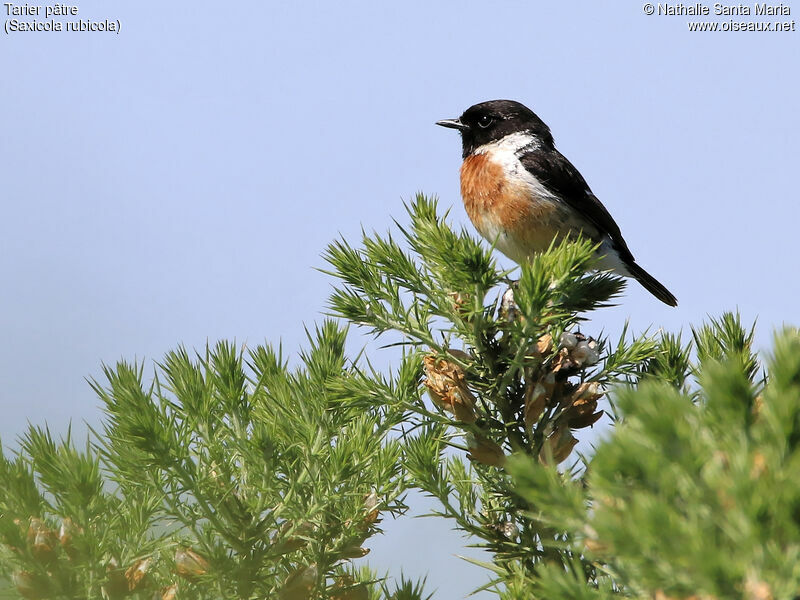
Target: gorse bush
504,370
695,494
227,474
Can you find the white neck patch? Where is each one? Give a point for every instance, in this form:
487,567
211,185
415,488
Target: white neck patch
506,153
510,144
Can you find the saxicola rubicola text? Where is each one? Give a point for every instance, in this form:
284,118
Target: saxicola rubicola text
521,193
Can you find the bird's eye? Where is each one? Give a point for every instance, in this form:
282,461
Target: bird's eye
485,121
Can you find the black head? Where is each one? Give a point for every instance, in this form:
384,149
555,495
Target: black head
490,121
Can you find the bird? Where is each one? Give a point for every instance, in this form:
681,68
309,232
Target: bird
521,193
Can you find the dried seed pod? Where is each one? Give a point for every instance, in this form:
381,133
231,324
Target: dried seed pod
136,574
459,355
447,386
536,399
549,382
587,392
299,583
31,585
583,421
562,362
353,550
543,346
168,593
346,588
558,446
485,451
116,585
356,592
582,399
580,407
189,564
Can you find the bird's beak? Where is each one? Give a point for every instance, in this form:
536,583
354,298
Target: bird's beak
453,124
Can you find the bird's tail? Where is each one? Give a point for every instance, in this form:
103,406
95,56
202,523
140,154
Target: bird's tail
651,284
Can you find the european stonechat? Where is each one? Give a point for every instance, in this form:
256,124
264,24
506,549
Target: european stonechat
521,193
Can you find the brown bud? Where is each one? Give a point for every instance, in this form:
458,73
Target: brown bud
592,543
485,451
756,589
558,446
136,573
758,404
189,564
217,476
595,546
660,595
460,301
759,466
34,525
448,389
371,503
299,583
67,532
42,540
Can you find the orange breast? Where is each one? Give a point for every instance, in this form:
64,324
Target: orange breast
508,210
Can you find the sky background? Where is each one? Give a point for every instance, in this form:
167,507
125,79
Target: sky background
176,183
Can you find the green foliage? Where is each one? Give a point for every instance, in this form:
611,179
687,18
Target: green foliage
227,476
505,366
694,494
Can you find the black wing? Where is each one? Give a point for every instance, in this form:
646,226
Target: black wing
559,176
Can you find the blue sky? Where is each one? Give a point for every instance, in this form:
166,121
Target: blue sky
177,182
